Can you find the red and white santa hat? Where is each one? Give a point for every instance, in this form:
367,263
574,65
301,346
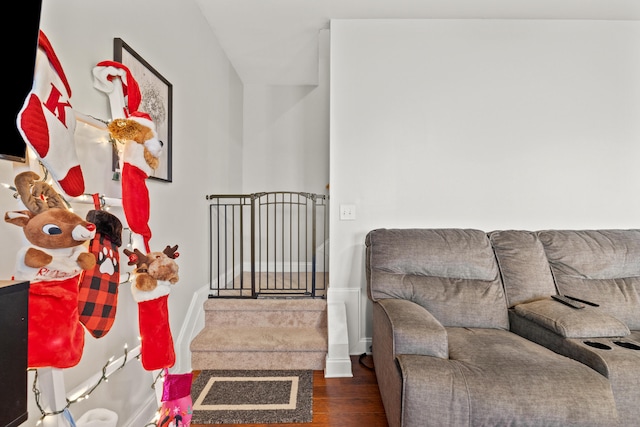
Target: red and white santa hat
105,72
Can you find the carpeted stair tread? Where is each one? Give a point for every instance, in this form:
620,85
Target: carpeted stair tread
260,339
285,313
258,360
265,304
263,333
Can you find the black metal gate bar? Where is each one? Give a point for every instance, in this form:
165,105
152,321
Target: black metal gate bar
281,246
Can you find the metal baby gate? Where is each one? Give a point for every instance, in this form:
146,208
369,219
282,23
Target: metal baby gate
271,244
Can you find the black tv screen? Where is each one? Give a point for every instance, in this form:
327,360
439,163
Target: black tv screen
21,44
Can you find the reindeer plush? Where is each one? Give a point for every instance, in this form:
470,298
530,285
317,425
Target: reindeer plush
154,274
52,261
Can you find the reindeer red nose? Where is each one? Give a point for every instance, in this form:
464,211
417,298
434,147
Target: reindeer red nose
90,226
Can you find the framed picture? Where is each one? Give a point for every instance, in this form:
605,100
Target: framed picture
157,100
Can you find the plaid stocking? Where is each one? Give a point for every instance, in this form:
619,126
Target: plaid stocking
98,294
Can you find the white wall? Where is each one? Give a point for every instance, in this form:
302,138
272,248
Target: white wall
487,124
207,143
286,134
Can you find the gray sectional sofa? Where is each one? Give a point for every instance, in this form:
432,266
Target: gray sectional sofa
465,332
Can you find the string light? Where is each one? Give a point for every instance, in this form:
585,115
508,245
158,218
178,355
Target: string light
105,202
84,395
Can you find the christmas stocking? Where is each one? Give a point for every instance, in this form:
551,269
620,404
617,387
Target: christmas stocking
177,405
141,150
135,194
157,350
47,121
56,337
98,295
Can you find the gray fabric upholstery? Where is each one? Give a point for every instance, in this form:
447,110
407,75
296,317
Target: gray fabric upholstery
415,330
569,322
450,272
602,266
598,265
523,265
619,364
496,378
442,348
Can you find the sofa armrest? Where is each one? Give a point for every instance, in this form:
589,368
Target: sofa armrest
568,322
414,329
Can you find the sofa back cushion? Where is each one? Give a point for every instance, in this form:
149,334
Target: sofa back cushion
523,265
451,272
602,266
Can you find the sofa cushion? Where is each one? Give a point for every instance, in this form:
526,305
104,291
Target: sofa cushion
589,322
523,264
451,272
602,266
497,378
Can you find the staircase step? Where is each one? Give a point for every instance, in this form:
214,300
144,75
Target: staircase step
221,312
284,333
259,348
247,360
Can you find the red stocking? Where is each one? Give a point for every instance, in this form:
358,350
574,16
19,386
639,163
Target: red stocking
56,336
135,198
157,350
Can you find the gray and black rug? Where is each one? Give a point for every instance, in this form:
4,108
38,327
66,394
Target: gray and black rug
252,397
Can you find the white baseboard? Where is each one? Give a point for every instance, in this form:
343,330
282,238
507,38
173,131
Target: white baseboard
338,361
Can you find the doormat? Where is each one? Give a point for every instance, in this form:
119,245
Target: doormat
252,397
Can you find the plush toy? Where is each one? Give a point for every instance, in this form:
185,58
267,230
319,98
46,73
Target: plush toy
154,274
52,261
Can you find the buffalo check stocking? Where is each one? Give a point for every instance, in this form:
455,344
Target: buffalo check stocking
98,294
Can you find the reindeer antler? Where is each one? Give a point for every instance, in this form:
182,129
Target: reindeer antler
37,196
171,252
136,257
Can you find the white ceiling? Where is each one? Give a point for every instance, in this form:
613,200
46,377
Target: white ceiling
275,42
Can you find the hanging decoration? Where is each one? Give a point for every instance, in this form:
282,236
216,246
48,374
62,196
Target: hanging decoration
154,274
47,122
52,261
98,293
142,146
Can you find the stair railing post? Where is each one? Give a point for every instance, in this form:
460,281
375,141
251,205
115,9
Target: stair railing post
253,246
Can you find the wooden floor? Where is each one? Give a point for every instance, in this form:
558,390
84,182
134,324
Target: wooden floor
341,402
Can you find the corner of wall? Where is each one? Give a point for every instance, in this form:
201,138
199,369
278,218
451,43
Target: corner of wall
338,362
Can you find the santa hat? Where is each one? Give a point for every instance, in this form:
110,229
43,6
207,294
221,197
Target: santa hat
104,73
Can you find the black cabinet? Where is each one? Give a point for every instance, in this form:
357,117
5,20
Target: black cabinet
14,305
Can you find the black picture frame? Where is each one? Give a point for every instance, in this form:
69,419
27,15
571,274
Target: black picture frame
157,101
